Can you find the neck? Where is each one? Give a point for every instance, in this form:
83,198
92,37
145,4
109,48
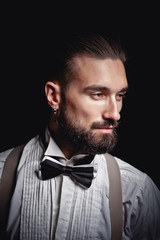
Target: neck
68,150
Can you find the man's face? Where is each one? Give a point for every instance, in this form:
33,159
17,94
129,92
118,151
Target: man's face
93,101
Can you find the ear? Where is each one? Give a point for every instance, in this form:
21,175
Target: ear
53,94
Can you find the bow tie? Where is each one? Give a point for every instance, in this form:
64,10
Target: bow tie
83,174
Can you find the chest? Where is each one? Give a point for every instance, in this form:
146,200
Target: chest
60,209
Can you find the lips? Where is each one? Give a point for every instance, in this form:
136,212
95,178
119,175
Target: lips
111,127
105,129
105,125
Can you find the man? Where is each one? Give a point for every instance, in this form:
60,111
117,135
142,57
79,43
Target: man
85,91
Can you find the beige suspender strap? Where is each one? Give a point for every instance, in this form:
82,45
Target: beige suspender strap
7,185
115,197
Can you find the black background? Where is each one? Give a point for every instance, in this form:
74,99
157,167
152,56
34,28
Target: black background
25,37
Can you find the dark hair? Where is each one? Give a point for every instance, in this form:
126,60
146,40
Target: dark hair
88,44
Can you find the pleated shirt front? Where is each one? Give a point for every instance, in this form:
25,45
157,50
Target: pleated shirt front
61,209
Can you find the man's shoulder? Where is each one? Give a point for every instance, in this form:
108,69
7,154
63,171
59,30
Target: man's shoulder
130,172
131,177
4,154
3,157
134,181
126,169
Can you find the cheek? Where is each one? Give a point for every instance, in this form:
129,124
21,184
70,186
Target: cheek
83,111
119,106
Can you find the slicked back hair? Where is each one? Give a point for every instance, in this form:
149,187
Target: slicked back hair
92,45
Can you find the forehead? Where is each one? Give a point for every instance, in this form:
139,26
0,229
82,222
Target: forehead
106,72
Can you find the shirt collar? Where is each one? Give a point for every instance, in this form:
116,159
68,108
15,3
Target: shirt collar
54,151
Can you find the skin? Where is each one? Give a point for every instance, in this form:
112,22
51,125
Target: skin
95,94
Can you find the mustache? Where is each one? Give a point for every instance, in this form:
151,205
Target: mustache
105,124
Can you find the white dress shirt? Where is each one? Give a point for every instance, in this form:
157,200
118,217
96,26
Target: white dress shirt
59,208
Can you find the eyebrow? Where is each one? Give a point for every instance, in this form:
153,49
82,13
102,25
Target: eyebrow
102,88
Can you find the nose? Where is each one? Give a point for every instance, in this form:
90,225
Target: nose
112,110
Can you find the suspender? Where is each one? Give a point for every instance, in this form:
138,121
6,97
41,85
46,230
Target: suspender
7,185
8,181
115,197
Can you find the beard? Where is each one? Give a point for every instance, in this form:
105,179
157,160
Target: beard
87,141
